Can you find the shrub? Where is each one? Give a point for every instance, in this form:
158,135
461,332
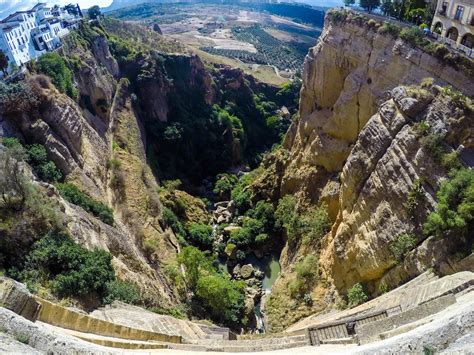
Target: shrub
46,169
403,244
451,161
196,263
454,212
433,143
264,212
306,272
170,220
37,154
372,23
357,295
421,128
427,82
415,196
54,66
224,298
74,270
49,172
390,28
122,291
241,194
71,193
200,235
224,185
316,223
414,36
286,217
23,338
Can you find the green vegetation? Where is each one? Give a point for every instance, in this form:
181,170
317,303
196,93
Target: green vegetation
72,194
23,338
310,225
200,235
3,63
122,291
403,244
414,35
94,12
415,197
54,66
270,50
36,155
306,274
224,185
214,293
454,213
357,295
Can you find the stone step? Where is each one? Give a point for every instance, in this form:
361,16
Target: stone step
252,342
343,341
255,348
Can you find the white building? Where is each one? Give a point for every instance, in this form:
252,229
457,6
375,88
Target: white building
26,35
454,20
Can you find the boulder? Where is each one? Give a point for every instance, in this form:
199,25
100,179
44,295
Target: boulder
16,297
246,271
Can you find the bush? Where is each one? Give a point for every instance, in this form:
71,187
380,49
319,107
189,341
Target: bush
287,218
316,223
72,269
264,212
357,295
222,297
54,66
403,244
224,185
170,220
46,169
241,194
200,235
414,36
415,196
121,291
72,194
306,272
454,213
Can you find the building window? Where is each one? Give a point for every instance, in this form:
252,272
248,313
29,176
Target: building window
459,12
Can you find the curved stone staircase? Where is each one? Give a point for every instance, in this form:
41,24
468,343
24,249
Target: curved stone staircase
122,326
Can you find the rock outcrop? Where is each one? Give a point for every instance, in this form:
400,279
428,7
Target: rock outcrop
357,148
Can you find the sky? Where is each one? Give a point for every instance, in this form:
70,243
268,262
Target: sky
9,6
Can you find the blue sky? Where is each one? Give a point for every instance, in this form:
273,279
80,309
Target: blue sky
9,6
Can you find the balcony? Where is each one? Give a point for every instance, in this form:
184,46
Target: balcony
442,12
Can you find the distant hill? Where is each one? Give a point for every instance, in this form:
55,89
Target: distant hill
297,11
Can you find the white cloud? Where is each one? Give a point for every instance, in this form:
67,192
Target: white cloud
9,6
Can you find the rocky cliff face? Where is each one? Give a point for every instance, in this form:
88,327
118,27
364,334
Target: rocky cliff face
356,148
98,143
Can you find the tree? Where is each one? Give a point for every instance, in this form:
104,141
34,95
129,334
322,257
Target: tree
94,12
369,5
3,63
349,2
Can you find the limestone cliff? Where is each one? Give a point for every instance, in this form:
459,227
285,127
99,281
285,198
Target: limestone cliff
356,149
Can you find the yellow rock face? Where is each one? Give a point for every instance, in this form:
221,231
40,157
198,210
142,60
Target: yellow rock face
354,149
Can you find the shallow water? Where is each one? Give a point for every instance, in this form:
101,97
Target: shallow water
270,266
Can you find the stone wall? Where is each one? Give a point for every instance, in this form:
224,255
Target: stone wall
16,297
66,318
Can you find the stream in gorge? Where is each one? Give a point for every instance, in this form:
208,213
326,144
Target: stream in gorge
259,269
269,265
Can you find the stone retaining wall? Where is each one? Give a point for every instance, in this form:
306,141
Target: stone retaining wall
370,332
66,318
16,297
